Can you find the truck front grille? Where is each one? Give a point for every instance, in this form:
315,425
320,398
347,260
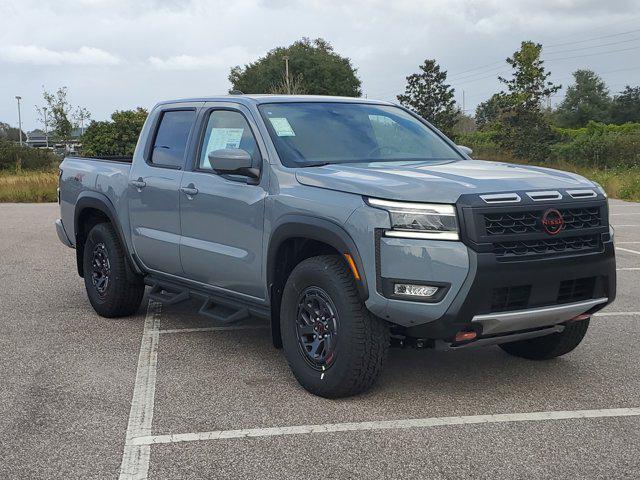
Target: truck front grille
547,246
513,223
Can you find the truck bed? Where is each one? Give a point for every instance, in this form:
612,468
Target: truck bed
105,175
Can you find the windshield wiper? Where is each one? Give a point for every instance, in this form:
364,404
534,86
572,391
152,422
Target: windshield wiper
315,164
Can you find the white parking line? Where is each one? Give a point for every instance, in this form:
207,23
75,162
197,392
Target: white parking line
631,213
221,328
618,226
386,425
135,459
616,314
627,269
626,243
627,250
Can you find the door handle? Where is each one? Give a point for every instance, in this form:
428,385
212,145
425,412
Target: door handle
189,191
139,183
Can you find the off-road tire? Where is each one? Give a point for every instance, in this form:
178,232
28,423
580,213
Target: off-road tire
362,340
549,346
122,297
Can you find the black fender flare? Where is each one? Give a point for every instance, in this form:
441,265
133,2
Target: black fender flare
314,228
99,201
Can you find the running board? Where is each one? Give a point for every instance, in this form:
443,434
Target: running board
223,313
222,309
163,294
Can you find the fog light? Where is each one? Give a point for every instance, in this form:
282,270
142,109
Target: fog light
414,290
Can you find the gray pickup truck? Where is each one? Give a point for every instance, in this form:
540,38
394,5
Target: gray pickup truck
351,224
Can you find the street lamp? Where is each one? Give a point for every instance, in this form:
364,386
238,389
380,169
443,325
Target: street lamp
18,98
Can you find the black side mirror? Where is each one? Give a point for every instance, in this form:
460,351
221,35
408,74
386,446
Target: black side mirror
233,161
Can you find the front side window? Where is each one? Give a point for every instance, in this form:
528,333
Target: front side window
226,129
307,134
171,138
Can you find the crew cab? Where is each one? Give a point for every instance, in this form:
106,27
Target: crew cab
350,224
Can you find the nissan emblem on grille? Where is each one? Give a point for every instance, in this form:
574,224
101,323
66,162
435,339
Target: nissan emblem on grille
552,221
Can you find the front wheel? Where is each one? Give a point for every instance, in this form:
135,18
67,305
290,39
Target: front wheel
109,290
549,346
333,345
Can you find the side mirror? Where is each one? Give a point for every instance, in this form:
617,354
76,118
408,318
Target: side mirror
466,150
234,161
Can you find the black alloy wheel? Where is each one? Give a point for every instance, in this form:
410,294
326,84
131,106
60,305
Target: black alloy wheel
100,269
317,327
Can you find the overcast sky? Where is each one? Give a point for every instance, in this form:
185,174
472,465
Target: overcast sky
119,54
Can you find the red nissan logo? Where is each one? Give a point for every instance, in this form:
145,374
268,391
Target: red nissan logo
552,221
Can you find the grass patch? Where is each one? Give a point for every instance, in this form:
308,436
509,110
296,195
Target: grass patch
38,186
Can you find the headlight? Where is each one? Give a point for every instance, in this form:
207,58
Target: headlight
419,220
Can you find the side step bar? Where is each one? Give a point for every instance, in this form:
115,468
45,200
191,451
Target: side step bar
222,309
168,295
223,313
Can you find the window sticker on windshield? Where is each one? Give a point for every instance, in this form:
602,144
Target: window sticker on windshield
221,138
383,119
282,127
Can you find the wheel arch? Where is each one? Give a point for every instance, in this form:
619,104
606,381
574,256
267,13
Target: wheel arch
295,238
93,208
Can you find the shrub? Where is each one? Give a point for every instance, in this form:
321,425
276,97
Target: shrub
600,145
15,157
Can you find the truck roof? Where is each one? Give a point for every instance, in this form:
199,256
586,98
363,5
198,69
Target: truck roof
256,99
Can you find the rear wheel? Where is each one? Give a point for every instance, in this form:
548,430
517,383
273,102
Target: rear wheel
110,292
549,346
333,345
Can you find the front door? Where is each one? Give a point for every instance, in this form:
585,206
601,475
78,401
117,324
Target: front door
154,202
223,215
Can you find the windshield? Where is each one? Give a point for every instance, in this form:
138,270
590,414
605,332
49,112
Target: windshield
307,134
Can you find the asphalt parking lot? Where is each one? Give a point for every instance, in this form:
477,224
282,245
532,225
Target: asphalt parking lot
168,394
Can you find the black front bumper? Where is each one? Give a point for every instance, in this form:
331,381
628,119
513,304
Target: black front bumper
543,278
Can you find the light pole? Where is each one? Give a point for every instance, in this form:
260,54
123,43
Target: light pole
18,98
46,129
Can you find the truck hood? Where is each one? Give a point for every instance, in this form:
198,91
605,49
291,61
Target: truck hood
441,182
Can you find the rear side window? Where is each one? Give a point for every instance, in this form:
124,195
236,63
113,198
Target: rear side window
171,138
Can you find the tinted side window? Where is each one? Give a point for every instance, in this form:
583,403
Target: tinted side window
171,138
226,129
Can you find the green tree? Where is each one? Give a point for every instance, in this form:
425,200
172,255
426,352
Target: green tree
117,137
626,106
587,99
529,85
489,111
523,129
314,67
427,94
7,132
58,112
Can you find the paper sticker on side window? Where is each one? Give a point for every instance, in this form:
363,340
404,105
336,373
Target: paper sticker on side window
221,138
282,127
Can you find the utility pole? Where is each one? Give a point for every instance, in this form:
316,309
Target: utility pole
463,105
286,69
18,98
46,129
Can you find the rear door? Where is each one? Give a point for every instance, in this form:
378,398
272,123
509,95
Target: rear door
154,203
222,224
